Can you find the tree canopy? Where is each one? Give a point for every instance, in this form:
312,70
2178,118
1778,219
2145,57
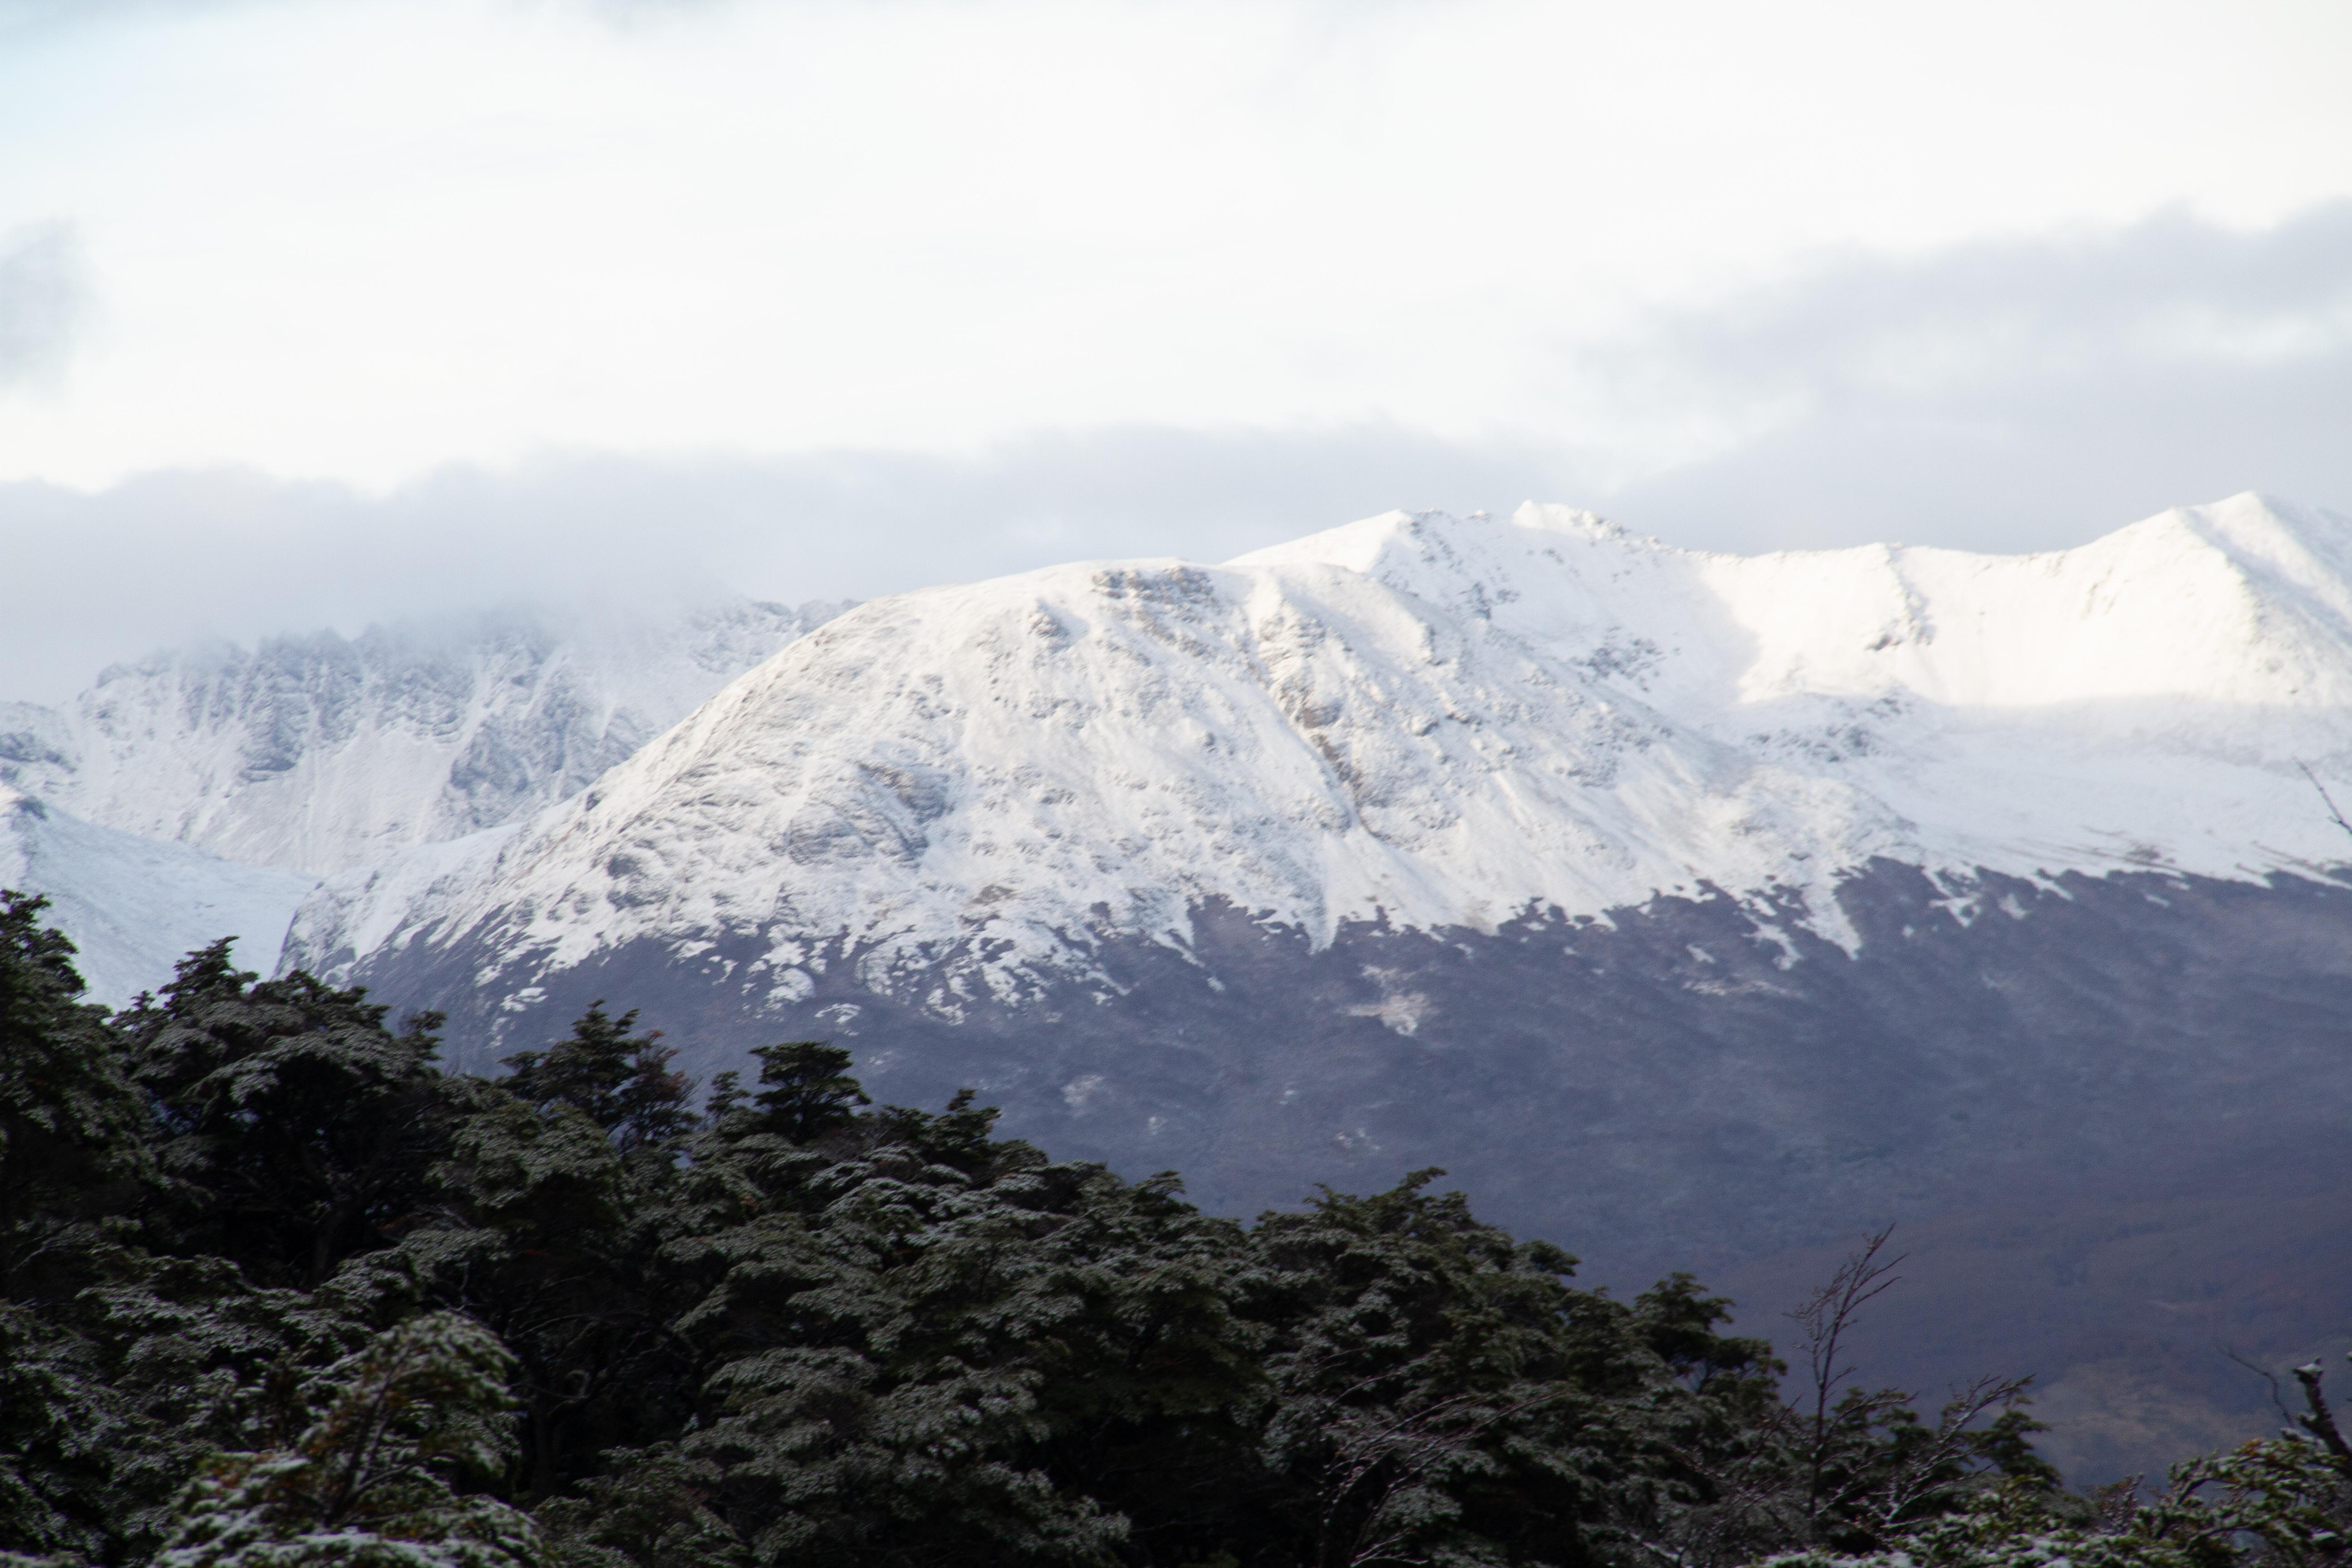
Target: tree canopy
277,1288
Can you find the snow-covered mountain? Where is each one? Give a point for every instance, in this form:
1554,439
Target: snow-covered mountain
1695,911
135,906
1427,723
1692,910
197,793
322,753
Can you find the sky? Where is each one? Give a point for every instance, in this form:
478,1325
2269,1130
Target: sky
318,312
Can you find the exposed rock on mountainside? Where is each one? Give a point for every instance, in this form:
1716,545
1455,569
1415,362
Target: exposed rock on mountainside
2025,1074
323,751
172,803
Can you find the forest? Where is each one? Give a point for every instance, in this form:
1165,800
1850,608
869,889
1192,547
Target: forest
277,1288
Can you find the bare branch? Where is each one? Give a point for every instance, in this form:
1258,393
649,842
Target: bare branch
2321,1422
2278,1400
1929,1468
2324,796
1824,1321
1377,1459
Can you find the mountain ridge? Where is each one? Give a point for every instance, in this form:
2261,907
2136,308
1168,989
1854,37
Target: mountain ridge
1434,721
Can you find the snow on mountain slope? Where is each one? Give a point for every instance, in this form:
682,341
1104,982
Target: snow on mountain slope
1430,722
324,752
135,906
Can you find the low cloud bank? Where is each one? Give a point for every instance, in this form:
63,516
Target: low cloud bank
169,557
2008,396
2028,395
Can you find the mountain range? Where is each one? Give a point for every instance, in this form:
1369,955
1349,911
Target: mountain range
1691,910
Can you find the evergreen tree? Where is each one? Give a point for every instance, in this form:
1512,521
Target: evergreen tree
71,1160
62,1427
546,1227
70,1147
621,1082
1445,1392
880,1325
806,1092
200,1360
295,1130
252,1235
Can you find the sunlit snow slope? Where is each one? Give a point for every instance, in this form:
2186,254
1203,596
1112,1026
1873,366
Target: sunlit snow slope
1430,722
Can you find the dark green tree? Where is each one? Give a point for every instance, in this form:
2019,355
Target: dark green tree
71,1161
71,1148
295,1128
253,1234
63,1427
1444,1393
548,1218
622,1082
872,1320
806,1092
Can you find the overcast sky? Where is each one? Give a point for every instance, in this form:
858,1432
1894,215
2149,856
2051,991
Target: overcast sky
317,310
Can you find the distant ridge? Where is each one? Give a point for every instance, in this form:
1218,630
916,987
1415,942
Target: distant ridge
321,751
199,793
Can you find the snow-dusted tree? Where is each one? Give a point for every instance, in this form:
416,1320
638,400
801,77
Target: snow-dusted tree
373,1481
2282,1502
622,1080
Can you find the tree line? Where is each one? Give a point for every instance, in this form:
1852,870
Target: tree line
277,1288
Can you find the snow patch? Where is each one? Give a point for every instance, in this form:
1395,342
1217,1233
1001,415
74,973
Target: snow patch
134,907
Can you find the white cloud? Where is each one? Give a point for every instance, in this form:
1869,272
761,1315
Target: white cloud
42,295
2000,396
2009,395
171,556
365,238
550,297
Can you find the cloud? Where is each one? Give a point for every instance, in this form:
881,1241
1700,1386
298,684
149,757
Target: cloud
2019,396
26,20
169,557
43,292
2002,395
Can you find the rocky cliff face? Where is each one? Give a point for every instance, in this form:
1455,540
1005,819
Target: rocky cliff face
199,793
2108,1111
